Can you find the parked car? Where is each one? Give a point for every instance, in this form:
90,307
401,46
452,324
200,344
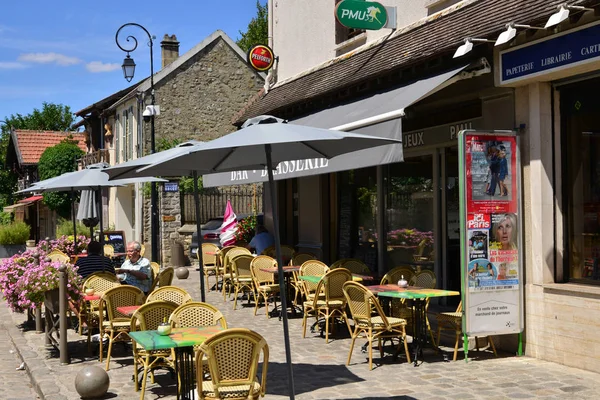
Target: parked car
211,231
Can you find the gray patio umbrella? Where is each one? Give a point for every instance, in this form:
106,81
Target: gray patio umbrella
263,142
88,209
92,178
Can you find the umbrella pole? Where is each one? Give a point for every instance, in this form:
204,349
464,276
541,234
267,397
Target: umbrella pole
282,288
100,217
199,230
74,220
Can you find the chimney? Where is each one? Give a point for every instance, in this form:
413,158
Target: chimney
169,49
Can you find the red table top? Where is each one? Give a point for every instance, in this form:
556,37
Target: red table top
95,296
128,310
390,287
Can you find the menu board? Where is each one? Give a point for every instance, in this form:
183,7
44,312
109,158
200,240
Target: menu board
116,239
491,257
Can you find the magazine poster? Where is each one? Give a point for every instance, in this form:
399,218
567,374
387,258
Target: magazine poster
491,265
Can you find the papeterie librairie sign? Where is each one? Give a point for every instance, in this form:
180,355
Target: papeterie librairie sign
360,14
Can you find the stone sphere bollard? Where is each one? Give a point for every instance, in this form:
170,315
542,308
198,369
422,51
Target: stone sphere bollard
92,382
182,272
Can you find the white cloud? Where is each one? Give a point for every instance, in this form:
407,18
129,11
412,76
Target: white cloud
99,66
12,65
49,58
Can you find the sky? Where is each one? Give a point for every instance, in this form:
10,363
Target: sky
64,52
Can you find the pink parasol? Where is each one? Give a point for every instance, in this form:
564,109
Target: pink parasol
229,226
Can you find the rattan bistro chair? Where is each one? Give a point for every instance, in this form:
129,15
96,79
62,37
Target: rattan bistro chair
112,322
371,322
172,294
264,282
228,269
241,277
88,311
425,279
57,255
334,303
196,313
209,262
232,356
355,266
146,318
311,267
164,278
452,321
397,273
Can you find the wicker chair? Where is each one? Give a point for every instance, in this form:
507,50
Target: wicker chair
227,269
370,321
311,267
172,294
355,266
57,255
232,357
334,303
143,250
116,325
109,250
221,262
287,253
148,317
264,282
164,278
300,258
196,313
88,311
452,321
425,279
241,276
155,267
395,274
209,261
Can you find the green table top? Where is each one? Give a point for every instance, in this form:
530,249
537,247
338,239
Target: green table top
179,337
316,279
418,293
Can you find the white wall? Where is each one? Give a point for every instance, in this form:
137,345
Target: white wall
304,31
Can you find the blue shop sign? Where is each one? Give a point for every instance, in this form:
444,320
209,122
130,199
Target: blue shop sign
171,187
569,49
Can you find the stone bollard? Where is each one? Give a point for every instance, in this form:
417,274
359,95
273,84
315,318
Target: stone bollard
92,382
62,312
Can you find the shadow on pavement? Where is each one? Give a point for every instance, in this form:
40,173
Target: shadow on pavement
308,377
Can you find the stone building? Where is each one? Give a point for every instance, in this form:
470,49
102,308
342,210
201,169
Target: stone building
198,95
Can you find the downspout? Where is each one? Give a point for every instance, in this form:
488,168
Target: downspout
270,16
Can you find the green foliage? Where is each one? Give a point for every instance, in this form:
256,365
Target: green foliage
14,233
55,161
5,218
65,228
257,31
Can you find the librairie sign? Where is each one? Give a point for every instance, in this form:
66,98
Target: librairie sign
360,14
573,48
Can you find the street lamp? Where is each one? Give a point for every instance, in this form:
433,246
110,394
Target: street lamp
128,72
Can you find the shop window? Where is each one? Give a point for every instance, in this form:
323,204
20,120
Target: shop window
409,213
581,173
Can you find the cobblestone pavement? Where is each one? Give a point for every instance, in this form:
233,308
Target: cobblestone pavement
320,369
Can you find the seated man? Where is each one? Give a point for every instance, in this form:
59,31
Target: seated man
94,262
261,240
136,269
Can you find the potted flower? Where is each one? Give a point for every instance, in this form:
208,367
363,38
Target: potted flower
245,229
65,244
25,281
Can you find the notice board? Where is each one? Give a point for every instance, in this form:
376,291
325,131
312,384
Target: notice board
116,239
490,233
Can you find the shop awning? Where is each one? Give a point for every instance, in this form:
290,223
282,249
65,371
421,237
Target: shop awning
379,115
31,199
23,203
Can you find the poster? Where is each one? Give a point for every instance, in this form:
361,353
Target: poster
490,235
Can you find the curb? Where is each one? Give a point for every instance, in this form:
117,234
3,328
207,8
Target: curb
13,331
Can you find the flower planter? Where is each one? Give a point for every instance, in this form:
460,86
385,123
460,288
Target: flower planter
51,301
9,250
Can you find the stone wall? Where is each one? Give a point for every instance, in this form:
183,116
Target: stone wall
170,221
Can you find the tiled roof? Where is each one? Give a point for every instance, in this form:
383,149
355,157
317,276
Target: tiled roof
30,145
438,35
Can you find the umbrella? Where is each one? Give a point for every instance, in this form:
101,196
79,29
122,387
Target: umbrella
229,226
263,143
91,178
88,209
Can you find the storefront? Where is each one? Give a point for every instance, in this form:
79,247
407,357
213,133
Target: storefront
556,85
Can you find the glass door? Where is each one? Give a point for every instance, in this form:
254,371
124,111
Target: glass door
450,225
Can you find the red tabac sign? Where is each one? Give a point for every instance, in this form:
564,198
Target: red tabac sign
261,58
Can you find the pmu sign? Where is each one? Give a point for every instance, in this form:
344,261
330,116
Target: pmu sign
360,14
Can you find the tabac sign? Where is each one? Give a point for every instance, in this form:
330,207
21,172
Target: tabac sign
360,14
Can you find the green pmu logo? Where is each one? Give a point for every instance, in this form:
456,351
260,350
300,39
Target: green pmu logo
361,14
